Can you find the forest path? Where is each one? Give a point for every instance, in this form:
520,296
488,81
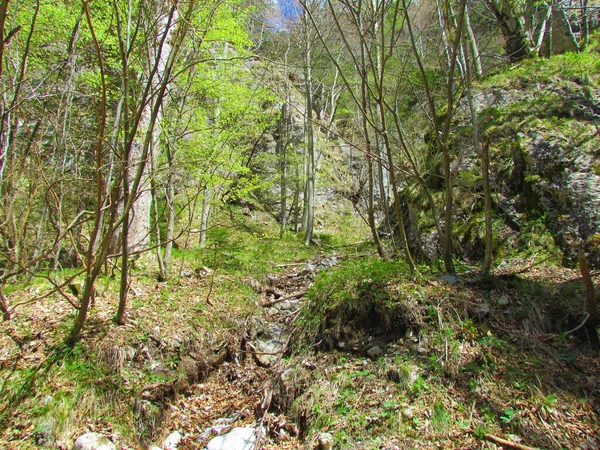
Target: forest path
240,391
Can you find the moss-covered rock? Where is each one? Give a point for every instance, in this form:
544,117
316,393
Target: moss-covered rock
540,124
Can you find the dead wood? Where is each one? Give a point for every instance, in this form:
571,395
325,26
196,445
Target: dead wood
507,443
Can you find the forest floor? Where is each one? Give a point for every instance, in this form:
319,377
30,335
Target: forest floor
481,365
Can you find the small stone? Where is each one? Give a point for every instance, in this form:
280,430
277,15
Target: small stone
93,441
408,413
375,352
325,441
172,441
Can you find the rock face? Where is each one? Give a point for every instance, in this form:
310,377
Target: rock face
544,149
240,438
93,441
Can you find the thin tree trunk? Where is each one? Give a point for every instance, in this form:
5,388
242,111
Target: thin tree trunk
93,261
585,23
162,270
591,304
442,134
543,29
204,217
482,151
282,153
383,131
4,307
570,31
310,143
295,210
365,130
473,44
170,198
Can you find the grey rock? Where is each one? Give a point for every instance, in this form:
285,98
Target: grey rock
93,441
448,279
270,343
240,438
375,352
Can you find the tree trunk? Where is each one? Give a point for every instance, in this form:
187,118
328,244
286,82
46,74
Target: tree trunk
483,153
204,217
310,144
473,44
591,304
516,42
282,154
585,23
4,307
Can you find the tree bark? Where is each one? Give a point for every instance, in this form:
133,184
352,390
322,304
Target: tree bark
516,42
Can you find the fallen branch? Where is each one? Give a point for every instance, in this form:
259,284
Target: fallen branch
507,443
273,292
268,304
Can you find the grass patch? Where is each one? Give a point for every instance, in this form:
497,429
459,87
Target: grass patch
363,294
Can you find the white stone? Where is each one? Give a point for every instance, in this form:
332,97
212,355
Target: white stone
172,441
240,438
93,441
